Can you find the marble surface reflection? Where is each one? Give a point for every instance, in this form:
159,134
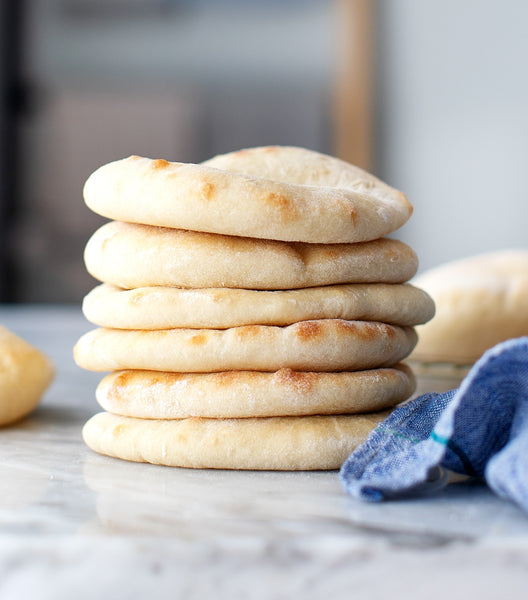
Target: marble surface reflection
68,515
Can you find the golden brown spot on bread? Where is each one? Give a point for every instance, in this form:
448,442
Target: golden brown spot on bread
226,377
333,252
308,330
145,333
206,190
300,380
118,430
363,330
159,163
122,380
388,330
366,330
248,331
117,391
125,379
279,201
198,339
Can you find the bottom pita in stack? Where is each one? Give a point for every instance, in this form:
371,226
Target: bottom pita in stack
265,443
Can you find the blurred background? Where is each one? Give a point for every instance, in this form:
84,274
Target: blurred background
431,96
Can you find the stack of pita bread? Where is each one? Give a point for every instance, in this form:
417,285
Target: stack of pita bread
252,314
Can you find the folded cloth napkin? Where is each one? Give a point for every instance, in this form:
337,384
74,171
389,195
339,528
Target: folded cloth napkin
479,429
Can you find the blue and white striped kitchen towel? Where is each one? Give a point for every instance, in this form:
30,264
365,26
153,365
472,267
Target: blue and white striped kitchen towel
479,429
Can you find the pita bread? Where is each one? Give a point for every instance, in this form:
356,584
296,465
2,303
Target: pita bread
25,373
131,256
274,443
324,345
240,394
280,193
480,301
221,308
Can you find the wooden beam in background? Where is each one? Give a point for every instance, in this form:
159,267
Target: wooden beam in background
353,100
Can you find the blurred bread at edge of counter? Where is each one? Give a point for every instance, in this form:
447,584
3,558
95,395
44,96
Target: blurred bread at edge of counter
480,300
25,373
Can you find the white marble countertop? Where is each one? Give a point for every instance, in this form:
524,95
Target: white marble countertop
74,524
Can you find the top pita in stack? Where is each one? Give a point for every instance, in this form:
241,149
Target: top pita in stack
252,313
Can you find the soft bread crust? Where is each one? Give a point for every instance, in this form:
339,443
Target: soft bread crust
132,255
480,301
242,394
220,308
274,443
280,193
25,373
324,345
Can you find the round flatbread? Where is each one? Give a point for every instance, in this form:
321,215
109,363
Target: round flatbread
274,443
280,193
25,373
220,308
130,256
240,394
325,345
480,301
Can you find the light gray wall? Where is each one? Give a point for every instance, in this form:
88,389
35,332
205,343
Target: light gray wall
208,77
214,42
453,121
180,80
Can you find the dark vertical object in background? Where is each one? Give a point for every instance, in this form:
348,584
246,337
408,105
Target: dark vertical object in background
11,15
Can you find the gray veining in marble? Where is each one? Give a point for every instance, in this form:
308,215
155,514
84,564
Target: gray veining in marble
77,524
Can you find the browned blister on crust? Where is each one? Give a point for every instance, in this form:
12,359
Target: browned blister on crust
323,345
279,193
243,394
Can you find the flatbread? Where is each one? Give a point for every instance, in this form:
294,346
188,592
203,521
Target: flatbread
25,373
323,345
131,256
480,300
240,394
281,193
220,308
274,443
